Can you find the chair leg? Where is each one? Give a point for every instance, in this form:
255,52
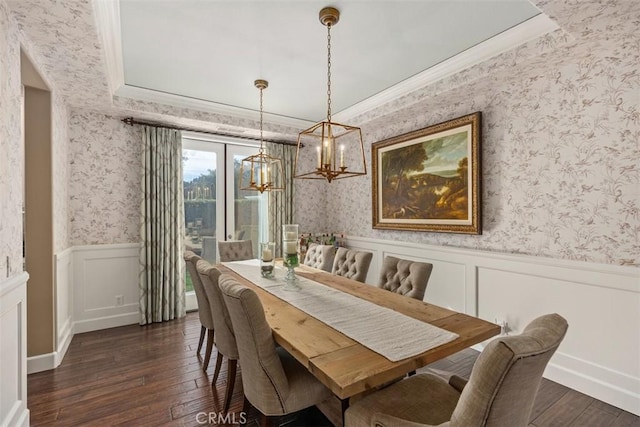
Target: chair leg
203,330
217,370
268,420
231,380
246,405
207,355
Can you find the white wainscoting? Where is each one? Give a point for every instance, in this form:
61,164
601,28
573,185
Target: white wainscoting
600,356
13,351
64,303
105,283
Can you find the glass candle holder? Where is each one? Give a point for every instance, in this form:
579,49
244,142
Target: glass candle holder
267,259
290,249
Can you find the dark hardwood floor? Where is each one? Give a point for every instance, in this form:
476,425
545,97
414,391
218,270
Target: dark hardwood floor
150,376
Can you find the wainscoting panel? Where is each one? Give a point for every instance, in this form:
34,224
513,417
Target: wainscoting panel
13,351
105,282
600,353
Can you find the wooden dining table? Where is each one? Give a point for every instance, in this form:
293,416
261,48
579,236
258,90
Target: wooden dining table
345,366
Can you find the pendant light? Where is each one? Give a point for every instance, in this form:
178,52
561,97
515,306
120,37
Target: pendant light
339,148
261,172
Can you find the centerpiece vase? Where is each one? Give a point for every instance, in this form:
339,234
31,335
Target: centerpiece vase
291,259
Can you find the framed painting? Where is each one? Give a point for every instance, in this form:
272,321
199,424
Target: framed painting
429,179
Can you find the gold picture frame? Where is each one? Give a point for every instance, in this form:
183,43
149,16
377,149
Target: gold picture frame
429,179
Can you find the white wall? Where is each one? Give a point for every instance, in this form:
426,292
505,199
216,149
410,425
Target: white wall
13,351
600,355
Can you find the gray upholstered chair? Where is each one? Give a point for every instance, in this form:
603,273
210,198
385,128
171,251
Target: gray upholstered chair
235,250
320,256
204,310
352,264
209,248
408,278
225,340
273,381
501,391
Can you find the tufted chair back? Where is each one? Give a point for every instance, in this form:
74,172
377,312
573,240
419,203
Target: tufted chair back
352,264
204,309
273,381
320,256
225,339
500,392
265,382
235,250
506,376
408,278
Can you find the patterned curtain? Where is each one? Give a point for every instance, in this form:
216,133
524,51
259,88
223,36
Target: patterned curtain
162,277
281,203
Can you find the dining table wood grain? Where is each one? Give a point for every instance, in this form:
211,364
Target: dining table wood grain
345,366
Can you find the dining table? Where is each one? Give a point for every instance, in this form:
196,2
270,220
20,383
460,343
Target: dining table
344,365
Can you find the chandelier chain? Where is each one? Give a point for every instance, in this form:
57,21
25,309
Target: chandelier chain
329,73
261,140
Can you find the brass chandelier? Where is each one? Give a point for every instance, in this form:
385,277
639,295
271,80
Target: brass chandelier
261,172
339,148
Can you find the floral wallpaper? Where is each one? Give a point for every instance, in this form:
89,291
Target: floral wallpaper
66,29
560,143
561,137
11,150
104,179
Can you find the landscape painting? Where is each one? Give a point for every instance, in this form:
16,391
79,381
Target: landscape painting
429,179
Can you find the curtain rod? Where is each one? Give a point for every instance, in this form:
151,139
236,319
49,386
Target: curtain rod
131,121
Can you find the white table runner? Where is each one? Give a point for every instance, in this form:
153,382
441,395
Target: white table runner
383,330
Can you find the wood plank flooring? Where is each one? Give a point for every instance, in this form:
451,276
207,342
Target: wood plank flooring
150,376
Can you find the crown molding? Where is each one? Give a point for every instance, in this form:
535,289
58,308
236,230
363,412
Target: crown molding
532,28
107,15
142,94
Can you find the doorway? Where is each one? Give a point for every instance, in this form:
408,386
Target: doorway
215,208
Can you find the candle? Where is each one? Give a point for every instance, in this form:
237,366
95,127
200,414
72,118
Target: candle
267,255
342,156
325,154
290,247
319,158
329,143
291,235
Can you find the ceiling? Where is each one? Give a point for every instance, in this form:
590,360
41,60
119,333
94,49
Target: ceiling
208,53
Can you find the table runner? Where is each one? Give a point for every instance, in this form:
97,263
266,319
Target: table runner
394,335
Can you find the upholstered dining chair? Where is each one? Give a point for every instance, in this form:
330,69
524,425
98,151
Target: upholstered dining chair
204,309
352,264
273,381
320,256
225,340
500,392
235,250
408,278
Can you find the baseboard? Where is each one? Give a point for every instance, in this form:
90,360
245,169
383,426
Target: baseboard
63,343
18,416
596,381
106,322
42,362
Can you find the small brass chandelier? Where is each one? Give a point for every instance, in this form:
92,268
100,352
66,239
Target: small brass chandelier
339,148
261,172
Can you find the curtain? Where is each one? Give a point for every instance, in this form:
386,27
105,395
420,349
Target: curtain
161,279
281,203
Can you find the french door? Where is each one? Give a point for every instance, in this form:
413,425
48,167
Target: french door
215,207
